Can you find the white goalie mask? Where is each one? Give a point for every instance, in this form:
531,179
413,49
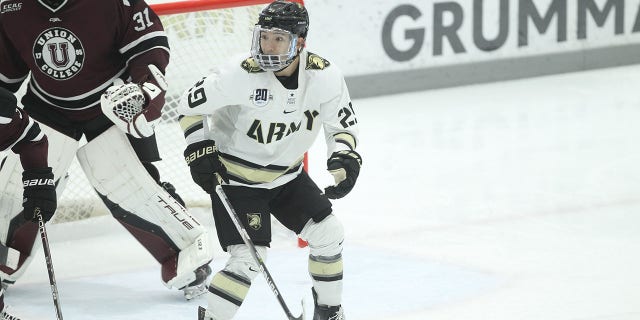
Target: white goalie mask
272,48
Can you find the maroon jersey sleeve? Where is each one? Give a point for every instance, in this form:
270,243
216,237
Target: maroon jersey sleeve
144,42
21,134
12,69
24,137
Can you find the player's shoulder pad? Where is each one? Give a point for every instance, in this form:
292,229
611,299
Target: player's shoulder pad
316,62
251,66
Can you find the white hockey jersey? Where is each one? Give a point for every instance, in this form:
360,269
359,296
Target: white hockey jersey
263,129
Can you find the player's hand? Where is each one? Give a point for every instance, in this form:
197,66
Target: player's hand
39,194
154,90
345,168
204,164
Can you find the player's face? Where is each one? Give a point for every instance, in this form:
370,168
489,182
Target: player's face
275,42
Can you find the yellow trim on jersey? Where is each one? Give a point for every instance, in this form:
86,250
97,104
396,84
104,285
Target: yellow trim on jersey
345,138
187,122
250,173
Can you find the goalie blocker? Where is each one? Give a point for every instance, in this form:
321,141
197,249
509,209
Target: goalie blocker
163,226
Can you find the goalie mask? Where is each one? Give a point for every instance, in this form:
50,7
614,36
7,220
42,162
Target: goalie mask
275,36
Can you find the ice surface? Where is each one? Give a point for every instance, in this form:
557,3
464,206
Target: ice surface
511,200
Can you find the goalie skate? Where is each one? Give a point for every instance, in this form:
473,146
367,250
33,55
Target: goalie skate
199,286
6,316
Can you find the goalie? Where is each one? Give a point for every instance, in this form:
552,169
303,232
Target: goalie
266,112
84,78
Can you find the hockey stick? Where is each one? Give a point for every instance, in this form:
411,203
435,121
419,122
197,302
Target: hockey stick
47,256
254,254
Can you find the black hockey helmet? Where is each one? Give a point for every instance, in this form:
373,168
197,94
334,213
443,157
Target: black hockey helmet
285,15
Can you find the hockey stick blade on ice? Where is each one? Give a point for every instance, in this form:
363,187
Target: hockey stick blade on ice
201,312
254,253
47,256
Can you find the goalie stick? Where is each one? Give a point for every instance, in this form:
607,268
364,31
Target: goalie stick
9,256
256,256
47,256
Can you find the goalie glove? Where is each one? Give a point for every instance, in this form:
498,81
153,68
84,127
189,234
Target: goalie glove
345,167
39,194
204,163
125,104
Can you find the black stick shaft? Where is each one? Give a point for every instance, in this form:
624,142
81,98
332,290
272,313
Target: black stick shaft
254,253
47,256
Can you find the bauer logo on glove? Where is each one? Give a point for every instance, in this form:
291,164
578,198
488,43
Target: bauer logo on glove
39,194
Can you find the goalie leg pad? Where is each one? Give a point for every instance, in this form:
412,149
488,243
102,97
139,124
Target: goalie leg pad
115,171
62,151
9,257
325,258
229,287
10,192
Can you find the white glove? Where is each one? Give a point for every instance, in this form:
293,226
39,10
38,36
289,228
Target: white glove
123,103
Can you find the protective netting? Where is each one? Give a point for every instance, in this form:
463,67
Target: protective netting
199,40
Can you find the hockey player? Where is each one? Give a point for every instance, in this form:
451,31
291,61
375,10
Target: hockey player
265,113
22,135
93,64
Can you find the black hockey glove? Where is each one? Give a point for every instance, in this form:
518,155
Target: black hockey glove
204,163
39,194
345,168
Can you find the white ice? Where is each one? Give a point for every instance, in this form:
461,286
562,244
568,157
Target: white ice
511,200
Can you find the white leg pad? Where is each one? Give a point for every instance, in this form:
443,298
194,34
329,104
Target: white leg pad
62,151
10,206
9,256
10,192
115,171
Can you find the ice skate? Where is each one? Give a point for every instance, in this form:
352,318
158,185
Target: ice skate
199,286
6,315
203,314
322,312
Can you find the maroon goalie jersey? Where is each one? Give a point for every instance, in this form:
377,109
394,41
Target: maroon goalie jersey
77,49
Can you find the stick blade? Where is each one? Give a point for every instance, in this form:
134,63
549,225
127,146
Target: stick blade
201,312
301,316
